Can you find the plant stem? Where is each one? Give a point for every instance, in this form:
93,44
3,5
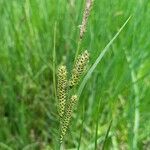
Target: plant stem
136,104
77,51
54,60
136,113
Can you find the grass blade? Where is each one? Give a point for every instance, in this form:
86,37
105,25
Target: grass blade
88,75
96,129
136,103
54,61
106,136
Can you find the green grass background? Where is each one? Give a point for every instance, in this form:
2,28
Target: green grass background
30,31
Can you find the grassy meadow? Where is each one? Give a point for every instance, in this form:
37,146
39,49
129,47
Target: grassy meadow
113,110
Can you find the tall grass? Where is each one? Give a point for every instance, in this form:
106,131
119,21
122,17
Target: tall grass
36,36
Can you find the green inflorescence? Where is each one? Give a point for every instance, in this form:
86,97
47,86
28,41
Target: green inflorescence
65,108
79,68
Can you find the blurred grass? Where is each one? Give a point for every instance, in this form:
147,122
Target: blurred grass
28,115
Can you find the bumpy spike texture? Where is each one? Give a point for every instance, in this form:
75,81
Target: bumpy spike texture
80,66
85,17
62,89
68,115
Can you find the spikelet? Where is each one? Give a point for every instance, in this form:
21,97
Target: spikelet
79,68
68,115
62,89
85,17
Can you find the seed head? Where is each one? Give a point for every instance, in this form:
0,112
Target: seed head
80,66
85,17
68,115
62,89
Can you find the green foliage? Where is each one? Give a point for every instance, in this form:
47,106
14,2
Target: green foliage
30,30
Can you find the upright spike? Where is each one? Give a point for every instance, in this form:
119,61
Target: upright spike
62,89
79,68
68,115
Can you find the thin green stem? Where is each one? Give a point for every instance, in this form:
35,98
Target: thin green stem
78,49
137,113
54,71
97,121
54,60
83,118
136,103
106,136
